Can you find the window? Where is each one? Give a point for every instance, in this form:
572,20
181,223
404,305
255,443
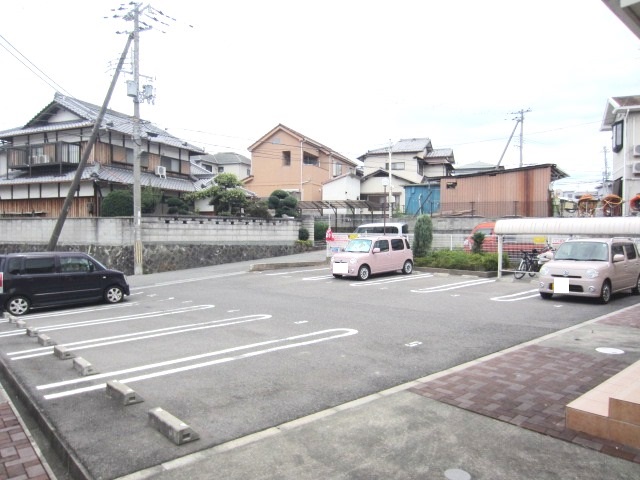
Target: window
39,265
397,244
171,164
310,159
383,245
616,249
69,152
394,166
286,158
630,251
14,266
75,264
337,169
616,138
220,169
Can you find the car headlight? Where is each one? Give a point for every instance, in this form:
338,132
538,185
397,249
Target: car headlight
544,271
592,273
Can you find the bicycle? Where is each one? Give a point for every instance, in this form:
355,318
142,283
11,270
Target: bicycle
528,263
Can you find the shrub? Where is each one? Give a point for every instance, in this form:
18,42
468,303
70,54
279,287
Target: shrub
320,230
460,260
303,234
423,235
118,203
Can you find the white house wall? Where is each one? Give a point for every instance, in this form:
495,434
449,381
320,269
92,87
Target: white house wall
624,160
345,188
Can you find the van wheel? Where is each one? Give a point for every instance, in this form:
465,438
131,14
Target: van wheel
113,294
546,295
636,290
407,268
605,293
18,305
363,272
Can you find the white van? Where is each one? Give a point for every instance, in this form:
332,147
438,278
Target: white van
383,228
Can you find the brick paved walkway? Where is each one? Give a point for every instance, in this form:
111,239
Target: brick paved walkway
531,386
18,457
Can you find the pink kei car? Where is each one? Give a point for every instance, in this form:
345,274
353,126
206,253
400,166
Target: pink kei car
364,256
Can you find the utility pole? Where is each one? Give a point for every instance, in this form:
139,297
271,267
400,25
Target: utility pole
605,174
75,184
520,119
137,143
390,185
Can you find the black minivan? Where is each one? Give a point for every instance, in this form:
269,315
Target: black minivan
47,279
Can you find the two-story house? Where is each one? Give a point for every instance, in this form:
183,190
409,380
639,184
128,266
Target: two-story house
39,160
622,118
288,160
225,162
406,162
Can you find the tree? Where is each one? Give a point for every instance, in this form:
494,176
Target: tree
478,240
283,203
423,236
118,203
225,195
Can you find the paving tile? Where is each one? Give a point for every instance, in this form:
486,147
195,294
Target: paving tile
530,387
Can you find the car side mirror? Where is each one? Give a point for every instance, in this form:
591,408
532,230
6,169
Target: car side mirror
376,250
618,257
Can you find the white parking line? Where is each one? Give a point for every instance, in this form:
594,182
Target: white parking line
104,321
453,286
188,280
332,334
515,297
295,271
132,337
395,279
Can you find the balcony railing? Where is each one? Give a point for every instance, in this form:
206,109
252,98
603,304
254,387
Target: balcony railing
36,156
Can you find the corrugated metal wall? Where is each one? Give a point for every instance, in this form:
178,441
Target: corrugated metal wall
498,193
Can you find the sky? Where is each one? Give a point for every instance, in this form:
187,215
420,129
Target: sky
353,75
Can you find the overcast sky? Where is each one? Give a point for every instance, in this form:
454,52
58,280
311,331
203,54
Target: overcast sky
351,74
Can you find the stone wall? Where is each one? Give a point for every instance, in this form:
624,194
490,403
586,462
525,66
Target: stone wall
167,257
169,243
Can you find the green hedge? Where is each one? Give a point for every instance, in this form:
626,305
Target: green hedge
460,260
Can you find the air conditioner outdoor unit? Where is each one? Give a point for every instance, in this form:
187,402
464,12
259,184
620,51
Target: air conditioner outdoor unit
635,168
636,150
161,171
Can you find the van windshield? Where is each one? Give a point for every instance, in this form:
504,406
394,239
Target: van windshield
358,246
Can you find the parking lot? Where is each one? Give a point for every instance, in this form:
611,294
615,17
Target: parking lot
231,352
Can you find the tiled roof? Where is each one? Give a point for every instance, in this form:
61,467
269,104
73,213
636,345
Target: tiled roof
230,158
109,174
112,120
404,146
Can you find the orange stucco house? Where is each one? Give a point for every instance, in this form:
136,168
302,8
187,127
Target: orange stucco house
288,160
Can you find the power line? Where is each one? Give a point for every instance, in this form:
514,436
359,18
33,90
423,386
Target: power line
41,75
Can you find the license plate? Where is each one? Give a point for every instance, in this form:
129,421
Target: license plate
561,285
340,268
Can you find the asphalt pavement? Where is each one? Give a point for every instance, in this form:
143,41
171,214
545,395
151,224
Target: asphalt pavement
498,417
